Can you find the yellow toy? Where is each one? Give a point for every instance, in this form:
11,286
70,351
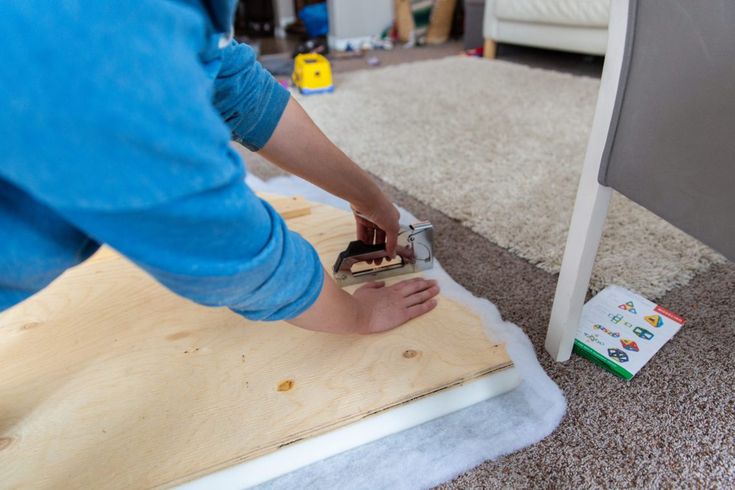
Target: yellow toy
312,74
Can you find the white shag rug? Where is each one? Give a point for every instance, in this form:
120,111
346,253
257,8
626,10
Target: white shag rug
500,146
443,448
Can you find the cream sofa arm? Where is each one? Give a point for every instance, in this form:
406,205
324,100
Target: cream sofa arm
489,22
565,25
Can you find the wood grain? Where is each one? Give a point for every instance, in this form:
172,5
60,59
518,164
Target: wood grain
288,206
108,379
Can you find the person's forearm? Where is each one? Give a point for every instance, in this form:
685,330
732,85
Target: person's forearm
299,147
334,311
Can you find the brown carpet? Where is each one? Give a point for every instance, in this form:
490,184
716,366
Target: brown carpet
672,426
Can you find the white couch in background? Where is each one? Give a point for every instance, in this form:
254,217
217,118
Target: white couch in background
567,25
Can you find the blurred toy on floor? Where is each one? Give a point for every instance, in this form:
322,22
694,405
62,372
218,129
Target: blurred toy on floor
312,74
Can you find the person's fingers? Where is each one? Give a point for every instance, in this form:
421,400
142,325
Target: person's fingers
400,286
391,240
371,240
420,309
373,285
362,232
365,233
379,238
412,286
421,296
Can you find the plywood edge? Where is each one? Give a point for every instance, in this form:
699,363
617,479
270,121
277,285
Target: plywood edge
390,420
352,418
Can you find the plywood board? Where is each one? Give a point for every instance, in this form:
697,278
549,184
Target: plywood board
110,380
288,206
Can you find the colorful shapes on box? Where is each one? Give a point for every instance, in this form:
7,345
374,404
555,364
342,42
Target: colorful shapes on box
654,320
629,306
617,354
643,333
629,345
594,338
615,318
611,333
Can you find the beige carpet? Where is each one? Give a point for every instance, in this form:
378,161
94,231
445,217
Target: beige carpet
499,147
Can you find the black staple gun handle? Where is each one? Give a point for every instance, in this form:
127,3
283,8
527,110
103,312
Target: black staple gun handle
357,251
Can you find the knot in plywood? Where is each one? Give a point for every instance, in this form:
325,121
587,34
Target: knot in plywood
285,385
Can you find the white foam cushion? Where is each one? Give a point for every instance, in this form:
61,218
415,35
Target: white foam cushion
583,13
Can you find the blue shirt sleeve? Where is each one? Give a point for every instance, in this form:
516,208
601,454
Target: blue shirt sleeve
220,247
108,120
249,99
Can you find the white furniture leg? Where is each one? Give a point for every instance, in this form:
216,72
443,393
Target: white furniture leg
590,208
585,231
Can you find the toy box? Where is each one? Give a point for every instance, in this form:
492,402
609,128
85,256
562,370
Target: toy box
620,330
312,74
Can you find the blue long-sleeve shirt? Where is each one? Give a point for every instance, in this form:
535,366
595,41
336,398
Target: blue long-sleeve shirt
115,125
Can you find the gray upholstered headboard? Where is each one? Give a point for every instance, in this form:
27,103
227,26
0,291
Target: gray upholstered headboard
671,146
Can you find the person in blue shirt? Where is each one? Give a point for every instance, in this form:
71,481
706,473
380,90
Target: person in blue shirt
115,122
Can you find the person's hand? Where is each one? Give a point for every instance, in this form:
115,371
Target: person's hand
382,308
378,224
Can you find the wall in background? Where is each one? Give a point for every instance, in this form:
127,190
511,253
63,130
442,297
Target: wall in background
355,21
285,14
